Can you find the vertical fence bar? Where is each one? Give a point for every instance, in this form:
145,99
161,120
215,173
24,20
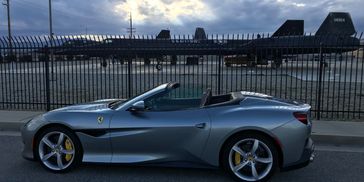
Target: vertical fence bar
320,83
129,77
219,68
361,49
356,77
47,86
219,75
2,75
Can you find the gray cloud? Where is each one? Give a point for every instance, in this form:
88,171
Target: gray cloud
231,16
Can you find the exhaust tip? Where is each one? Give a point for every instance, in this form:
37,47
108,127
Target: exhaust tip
312,157
313,153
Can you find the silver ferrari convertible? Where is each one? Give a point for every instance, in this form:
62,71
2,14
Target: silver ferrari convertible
249,135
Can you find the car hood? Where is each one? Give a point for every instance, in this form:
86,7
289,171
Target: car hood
90,106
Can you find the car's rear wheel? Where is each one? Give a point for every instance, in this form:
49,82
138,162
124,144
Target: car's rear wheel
58,149
250,157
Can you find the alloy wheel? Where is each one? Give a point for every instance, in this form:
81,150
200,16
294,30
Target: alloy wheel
56,150
250,159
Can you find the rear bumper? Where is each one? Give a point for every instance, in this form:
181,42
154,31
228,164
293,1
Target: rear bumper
307,156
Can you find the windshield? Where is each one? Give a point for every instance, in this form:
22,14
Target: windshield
118,103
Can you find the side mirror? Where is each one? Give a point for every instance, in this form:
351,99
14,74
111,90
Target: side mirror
137,106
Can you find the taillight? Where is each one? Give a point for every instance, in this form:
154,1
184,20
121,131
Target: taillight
302,117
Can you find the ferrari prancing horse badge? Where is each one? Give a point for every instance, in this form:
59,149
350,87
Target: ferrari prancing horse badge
100,119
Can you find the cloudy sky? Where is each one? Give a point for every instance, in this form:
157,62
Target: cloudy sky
30,17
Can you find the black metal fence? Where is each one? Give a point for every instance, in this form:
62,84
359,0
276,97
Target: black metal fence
43,73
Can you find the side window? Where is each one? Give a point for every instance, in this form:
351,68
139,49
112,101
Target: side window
176,99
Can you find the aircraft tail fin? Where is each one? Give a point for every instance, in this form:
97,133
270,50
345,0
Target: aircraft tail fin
337,23
164,34
200,34
290,27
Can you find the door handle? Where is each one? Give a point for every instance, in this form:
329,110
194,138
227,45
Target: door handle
200,125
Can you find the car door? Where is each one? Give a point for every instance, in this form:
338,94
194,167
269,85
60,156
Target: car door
159,136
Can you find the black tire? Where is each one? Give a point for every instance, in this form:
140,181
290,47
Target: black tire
252,64
103,63
158,67
78,151
267,141
147,61
70,58
275,65
173,60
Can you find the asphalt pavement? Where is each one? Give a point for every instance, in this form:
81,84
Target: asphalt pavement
343,71
329,165
339,144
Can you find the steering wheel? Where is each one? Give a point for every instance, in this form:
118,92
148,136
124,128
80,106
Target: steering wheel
206,98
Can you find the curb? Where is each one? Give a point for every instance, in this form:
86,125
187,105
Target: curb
338,140
11,126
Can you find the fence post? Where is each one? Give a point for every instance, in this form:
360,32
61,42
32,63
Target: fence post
219,76
129,76
321,66
219,65
47,80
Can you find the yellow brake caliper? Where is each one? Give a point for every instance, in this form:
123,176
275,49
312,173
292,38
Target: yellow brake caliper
68,146
237,158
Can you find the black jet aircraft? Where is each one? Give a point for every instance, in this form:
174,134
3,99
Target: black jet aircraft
335,35
145,47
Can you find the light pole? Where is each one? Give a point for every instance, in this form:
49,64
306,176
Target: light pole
7,4
50,19
51,35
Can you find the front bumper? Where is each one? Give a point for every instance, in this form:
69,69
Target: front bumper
307,156
27,139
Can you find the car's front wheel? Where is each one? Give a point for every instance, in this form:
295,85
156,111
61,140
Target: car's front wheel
250,157
58,149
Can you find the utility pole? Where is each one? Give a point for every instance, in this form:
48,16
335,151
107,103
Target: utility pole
7,4
50,20
131,29
51,36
